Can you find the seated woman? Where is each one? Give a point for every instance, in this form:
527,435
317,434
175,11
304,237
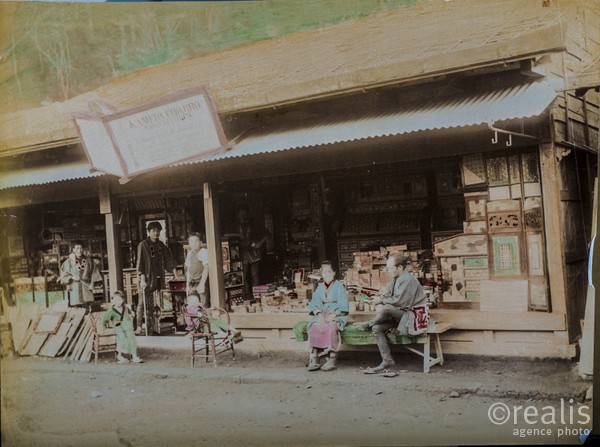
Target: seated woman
329,313
195,310
120,316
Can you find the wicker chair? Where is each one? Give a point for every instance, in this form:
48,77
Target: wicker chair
206,342
105,339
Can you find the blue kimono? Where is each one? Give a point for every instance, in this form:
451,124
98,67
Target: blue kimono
335,301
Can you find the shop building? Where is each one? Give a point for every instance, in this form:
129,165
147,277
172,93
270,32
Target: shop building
481,155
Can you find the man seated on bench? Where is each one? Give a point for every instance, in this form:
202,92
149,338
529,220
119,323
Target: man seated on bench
403,291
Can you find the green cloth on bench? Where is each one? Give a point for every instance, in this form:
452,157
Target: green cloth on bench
350,336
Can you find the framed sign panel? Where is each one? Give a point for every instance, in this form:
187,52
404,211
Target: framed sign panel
506,254
180,127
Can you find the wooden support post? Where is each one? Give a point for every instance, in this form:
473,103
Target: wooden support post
586,357
595,259
213,243
109,207
552,221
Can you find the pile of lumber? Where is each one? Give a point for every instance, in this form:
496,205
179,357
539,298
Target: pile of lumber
53,332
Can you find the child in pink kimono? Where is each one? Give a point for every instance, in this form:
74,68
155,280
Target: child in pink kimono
195,308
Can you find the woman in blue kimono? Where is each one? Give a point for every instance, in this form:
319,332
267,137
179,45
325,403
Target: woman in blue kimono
329,313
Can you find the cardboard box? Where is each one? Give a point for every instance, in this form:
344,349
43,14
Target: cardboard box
364,279
375,279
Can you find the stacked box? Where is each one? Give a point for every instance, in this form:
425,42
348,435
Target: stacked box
376,279
235,295
264,292
24,291
302,293
39,290
55,296
352,276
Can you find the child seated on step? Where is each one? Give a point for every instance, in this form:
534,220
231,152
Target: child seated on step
120,317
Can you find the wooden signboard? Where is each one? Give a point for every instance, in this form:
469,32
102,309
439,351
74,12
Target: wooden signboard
180,127
506,255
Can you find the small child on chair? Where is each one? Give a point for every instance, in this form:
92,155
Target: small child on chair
195,308
120,316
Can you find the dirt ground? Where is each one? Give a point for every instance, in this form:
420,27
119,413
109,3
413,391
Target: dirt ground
272,400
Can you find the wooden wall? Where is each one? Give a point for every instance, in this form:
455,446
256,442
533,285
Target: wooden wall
575,122
582,34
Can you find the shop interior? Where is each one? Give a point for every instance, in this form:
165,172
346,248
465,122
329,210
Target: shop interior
344,215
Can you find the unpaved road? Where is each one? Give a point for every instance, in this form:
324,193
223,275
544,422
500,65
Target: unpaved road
273,401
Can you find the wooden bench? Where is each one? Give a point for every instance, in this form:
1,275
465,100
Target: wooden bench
350,336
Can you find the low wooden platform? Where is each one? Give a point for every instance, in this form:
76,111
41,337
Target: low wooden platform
350,336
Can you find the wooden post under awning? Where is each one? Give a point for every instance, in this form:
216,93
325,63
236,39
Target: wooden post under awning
109,207
596,281
213,244
552,221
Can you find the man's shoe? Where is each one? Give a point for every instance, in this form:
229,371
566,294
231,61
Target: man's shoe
382,367
362,327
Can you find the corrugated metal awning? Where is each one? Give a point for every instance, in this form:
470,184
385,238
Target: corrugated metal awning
524,101
46,174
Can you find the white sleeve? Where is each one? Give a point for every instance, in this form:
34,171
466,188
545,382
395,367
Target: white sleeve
203,256
187,259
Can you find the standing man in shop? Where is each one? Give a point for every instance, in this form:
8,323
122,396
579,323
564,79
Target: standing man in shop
251,243
153,258
79,273
196,269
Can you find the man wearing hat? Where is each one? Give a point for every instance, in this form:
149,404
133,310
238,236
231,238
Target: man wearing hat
153,258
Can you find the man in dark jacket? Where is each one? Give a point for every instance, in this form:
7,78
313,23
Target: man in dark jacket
153,258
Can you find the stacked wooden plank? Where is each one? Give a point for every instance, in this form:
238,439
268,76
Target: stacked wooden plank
52,332
81,347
